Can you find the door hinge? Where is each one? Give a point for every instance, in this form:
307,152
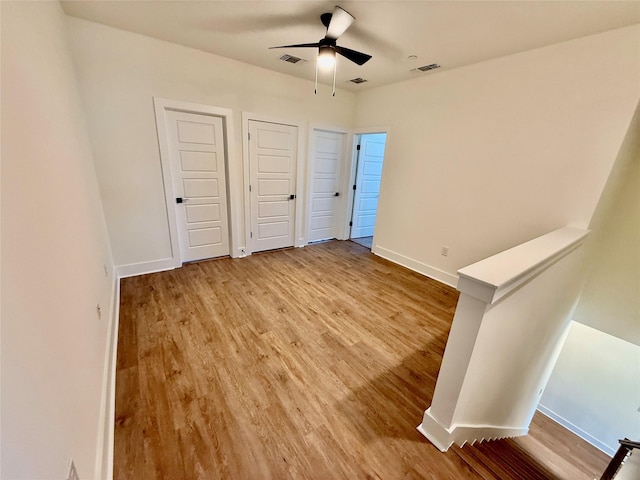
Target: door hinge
358,147
249,136
249,187
351,224
251,235
354,188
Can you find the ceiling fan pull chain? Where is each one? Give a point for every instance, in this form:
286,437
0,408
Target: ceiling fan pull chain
335,67
315,90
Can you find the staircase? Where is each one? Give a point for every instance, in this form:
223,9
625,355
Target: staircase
622,466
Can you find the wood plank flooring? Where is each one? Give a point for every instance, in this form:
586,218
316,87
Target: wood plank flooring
312,363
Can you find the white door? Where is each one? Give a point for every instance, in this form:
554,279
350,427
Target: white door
196,145
368,174
273,157
328,152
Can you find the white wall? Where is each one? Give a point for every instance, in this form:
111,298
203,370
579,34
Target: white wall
119,74
479,158
510,324
610,300
54,249
595,388
484,157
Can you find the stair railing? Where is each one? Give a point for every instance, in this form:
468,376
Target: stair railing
624,452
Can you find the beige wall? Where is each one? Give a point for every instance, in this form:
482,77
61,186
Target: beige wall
595,386
120,73
610,300
484,157
54,253
594,389
479,158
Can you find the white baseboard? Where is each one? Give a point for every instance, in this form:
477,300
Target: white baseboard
104,446
577,431
443,438
435,433
431,272
142,268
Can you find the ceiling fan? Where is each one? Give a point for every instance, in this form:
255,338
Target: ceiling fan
336,23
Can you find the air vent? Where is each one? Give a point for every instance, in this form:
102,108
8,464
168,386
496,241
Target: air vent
290,58
357,80
426,68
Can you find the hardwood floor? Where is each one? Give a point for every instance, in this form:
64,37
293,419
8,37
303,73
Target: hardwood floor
312,363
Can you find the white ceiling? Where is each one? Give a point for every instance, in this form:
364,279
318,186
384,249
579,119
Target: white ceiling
450,33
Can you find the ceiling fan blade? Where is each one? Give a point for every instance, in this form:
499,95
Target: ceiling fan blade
340,21
299,45
356,57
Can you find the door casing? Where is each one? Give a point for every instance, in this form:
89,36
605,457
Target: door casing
161,105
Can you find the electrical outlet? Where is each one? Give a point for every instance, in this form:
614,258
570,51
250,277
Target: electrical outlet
73,473
445,251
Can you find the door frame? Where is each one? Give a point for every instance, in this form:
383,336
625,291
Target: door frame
344,178
353,170
161,106
299,238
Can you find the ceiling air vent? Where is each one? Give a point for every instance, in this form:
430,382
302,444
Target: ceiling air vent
290,58
357,80
426,68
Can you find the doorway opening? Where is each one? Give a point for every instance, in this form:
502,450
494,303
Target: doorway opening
369,158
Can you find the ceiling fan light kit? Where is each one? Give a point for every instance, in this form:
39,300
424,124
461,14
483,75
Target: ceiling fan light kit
337,23
326,57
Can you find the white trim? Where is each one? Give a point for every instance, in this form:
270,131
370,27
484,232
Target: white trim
495,277
142,268
350,167
161,105
301,204
106,426
300,215
415,265
327,128
460,434
311,165
348,179
577,431
365,130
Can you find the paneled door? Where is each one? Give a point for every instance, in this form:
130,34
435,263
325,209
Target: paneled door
196,145
368,175
328,158
273,159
